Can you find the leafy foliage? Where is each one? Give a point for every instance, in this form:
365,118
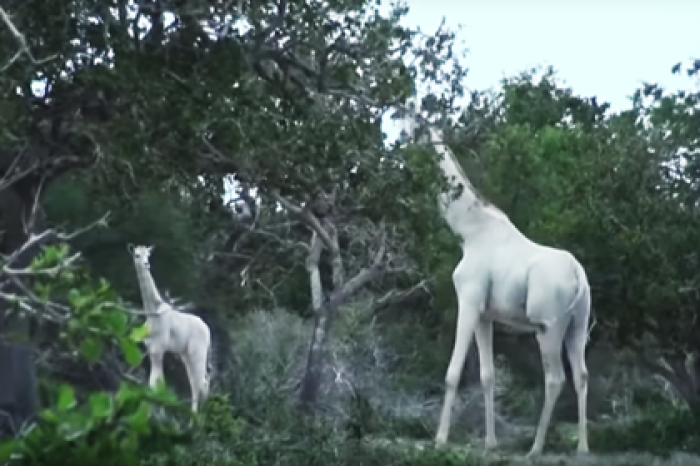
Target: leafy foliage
105,427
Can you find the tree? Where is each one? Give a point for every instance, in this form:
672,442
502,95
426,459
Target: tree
290,107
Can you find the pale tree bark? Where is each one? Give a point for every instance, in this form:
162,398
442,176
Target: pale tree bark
324,317
325,237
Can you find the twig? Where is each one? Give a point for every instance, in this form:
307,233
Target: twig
23,304
395,295
51,271
23,47
278,238
29,225
308,218
27,301
35,239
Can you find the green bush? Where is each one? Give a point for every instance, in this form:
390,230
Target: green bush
660,429
105,428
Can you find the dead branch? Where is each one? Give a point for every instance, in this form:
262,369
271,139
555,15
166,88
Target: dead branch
34,240
22,42
309,219
23,297
396,296
278,239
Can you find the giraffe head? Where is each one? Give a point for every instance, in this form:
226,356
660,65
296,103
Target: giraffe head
141,254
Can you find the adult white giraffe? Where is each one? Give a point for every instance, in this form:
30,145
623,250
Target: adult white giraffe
172,331
505,277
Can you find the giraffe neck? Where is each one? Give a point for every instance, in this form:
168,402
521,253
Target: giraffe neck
466,213
149,293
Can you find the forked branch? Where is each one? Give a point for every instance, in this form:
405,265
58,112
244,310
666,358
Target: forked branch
21,41
22,296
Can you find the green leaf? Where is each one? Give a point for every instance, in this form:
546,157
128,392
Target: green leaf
131,352
73,296
138,334
139,420
73,427
676,68
6,450
101,405
91,348
116,320
66,398
126,393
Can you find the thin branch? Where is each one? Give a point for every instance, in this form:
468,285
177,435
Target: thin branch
29,225
22,42
308,218
37,239
279,239
28,301
51,271
395,296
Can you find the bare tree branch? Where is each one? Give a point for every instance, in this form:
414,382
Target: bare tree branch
308,218
22,42
395,296
23,297
43,236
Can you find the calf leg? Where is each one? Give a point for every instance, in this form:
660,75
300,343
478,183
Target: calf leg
156,367
196,365
194,389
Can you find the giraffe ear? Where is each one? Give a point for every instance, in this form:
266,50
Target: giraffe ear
150,248
130,248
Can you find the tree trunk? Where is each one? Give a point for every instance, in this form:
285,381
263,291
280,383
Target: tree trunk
325,313
18,390
311,382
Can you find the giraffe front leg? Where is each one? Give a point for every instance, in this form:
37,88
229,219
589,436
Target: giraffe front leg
466,320
156,358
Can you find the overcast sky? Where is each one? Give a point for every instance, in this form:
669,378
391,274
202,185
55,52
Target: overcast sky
604,48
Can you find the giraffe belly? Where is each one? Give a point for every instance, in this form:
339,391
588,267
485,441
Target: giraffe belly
513,320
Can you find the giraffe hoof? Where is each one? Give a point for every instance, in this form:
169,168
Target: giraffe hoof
533,453
491,444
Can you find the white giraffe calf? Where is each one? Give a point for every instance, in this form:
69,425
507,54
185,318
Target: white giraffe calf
172,331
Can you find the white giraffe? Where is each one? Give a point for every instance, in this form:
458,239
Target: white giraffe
172,331
505,277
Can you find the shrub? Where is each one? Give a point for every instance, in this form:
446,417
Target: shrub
661,429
